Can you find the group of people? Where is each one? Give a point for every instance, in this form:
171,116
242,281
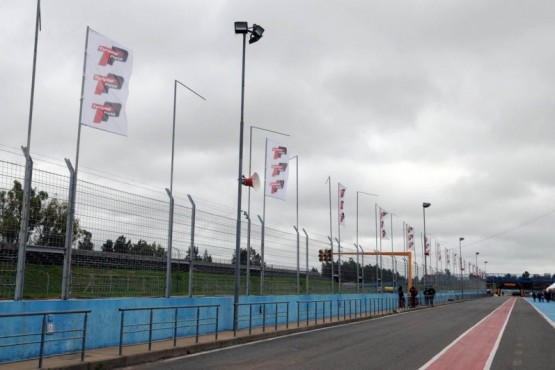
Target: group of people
429,295
542,295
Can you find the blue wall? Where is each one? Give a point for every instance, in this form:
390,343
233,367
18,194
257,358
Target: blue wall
103,327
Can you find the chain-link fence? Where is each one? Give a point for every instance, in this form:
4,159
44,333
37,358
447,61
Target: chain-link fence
120,244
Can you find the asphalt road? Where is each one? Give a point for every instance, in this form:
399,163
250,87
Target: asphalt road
404,341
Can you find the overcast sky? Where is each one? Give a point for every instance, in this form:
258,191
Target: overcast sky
447,102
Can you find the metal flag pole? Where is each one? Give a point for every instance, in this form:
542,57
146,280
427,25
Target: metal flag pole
73,187
328,181
262,269
249,198
338,239
376,248
26,201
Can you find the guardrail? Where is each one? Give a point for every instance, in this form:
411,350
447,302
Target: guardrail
138,326
311,307
36,336
263,315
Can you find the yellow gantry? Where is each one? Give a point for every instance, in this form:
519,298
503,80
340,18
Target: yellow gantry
403,254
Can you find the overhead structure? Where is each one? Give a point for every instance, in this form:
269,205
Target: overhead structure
402,254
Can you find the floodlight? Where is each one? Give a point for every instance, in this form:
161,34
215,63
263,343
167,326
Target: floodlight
241,27
256,33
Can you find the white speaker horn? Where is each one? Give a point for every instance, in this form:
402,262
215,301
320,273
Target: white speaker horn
253,181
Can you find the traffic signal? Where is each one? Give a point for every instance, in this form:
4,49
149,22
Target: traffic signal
327,255
321,255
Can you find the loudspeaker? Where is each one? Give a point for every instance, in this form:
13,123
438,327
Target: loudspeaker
253,181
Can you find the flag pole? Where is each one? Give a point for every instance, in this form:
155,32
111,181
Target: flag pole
338,241
26,201
73,187
263,221
331,236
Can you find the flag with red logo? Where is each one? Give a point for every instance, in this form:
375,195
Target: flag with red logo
427,245
438,251
410,236
106,84
341,203
277,170
384,234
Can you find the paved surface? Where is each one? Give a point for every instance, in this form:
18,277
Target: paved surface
515,349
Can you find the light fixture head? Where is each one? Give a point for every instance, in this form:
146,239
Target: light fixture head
241,27
461,239
426,205
477,253
256,33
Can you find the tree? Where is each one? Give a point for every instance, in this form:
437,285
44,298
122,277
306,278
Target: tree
122,245
145,249
206,257
526,275
256,260
86,243
47,218
11,211
108,246
196,256
51,231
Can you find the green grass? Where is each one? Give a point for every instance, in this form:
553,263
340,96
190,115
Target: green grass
45,281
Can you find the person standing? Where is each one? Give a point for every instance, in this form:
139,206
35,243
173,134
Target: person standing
431,295
413,293
401,297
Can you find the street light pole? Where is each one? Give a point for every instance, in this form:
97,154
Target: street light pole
424,206
477,279
256,34
170,190
460,267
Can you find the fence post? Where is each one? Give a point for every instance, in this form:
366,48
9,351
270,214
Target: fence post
20,275
121,331
84,341
69,231
262,255
298,261
306,235
192,248
43,332
169,249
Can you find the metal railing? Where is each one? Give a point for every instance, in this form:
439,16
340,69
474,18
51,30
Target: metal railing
311,308
39,336
263,315
208,318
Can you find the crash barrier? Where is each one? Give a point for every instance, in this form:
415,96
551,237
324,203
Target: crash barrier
316,309
149,324
262,314
44,330
365,306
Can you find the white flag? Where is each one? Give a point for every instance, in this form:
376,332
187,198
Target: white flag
277,170
410,236
106,86
341,203
383,224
